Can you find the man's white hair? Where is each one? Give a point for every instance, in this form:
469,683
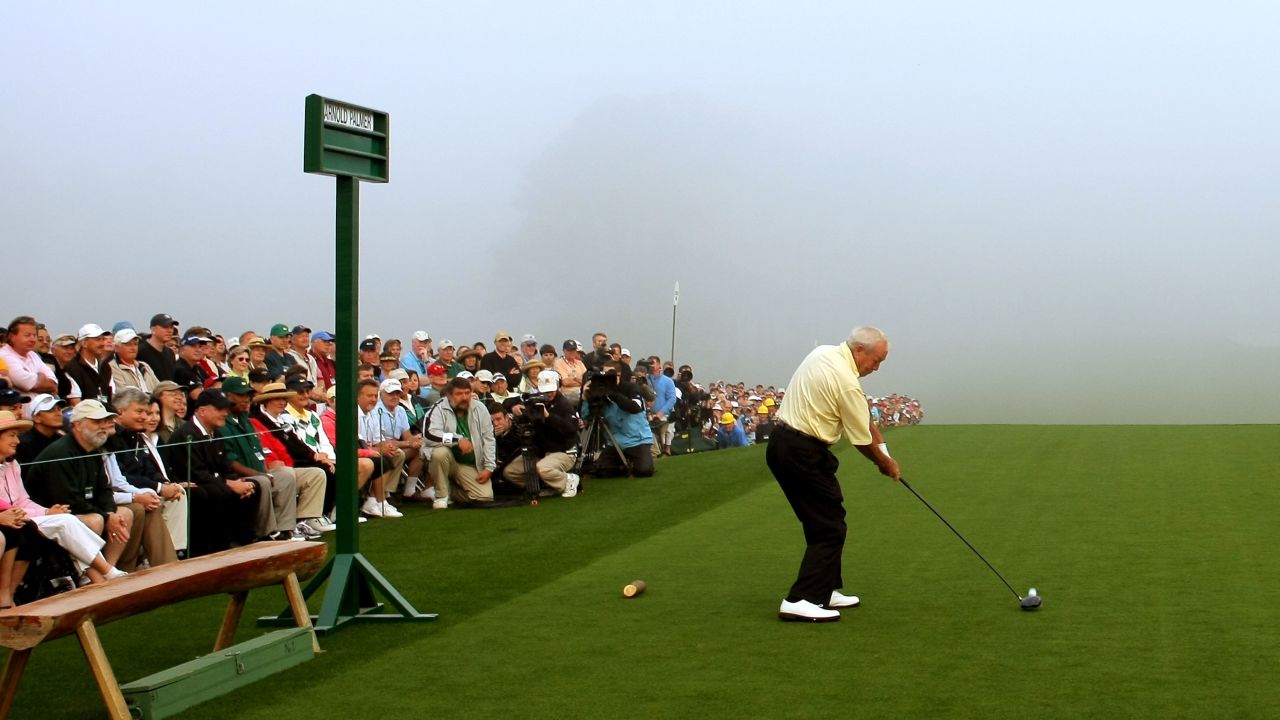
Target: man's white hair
866,337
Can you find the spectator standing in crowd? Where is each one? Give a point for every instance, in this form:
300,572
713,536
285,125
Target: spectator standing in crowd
64,352
299,355
664,389
731,434
528,349
189,371
824,401
25,368
623,411
224,502
502,360
88,369
547,353
460,436
71,472
276,358
599,354
126,369
45,413
369,356
155,352
571,370
322,355
419,354
555,433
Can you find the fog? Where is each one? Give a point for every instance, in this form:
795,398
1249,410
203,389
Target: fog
1058,214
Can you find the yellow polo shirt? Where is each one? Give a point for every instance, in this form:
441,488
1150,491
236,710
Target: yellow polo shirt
824,398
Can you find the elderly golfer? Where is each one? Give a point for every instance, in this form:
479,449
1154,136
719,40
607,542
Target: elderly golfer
825,400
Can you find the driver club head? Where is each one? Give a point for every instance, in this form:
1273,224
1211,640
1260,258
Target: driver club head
1030,602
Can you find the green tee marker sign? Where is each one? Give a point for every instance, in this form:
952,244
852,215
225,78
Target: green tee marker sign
351,143
346,140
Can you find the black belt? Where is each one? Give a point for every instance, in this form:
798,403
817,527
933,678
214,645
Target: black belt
778,424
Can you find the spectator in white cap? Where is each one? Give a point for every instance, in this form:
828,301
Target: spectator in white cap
481,384
419,355
89,369
447,359
126,369
500,389
393,429
528,349
45,413
26,370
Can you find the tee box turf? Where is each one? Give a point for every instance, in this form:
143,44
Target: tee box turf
171,691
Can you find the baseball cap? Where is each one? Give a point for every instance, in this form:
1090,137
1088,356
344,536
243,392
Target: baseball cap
299,329
484,376
121,326
42,402
235,385
548,381
499,377
571,345
299,385
398,374
91,331
212,396
763,410
446,344
195,340
279,330
436,369
255,341
626,352
126,335
388,357
528,339
10,396
90,410
466,374
368,345
422,336
163,320
323,335
373,336
502,335
65,340
165,386
727,419
390,386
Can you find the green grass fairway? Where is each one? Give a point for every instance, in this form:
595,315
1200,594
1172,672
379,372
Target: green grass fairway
1153,548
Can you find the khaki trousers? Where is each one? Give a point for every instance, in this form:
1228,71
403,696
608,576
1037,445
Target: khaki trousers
551,470
277,504
309,482
453,479
150,535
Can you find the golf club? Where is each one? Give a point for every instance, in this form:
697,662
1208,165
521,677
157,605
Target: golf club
1030,602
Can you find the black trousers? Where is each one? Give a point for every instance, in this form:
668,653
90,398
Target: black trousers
805,469
639,456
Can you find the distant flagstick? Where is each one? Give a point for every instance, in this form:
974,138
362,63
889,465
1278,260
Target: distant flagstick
675,302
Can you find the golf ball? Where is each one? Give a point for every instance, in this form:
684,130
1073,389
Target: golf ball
1031,592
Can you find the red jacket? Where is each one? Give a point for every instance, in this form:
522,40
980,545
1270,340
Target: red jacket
271,445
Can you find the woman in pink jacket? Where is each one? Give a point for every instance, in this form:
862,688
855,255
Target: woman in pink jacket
55,523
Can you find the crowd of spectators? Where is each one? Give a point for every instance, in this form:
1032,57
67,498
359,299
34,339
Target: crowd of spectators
895,410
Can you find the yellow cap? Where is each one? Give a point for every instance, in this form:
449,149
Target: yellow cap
762,410
728,419
769,402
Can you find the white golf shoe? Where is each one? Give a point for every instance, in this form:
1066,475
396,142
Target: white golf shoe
843,601
805,611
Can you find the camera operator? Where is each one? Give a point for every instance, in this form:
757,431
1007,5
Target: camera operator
688,411
506,447
622,405
555,427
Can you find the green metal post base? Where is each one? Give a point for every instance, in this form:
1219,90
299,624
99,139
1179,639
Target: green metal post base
355,602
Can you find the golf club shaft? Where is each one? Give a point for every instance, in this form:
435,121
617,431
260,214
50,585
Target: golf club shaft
957,532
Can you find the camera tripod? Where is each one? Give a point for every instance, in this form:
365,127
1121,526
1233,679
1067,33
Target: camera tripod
593,444
532,484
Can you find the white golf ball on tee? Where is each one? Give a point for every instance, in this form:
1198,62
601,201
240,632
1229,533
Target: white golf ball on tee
1031,592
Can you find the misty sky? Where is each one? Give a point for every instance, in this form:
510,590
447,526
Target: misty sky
1058,212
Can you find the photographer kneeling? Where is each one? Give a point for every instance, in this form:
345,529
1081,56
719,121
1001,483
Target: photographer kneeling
555,432
622,405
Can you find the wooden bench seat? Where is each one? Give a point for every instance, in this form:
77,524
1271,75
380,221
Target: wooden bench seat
235,571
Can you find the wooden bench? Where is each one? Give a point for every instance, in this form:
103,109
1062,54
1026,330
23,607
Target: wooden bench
235,571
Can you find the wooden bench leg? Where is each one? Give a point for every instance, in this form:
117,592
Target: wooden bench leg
227,634
97,657
13,668
298,603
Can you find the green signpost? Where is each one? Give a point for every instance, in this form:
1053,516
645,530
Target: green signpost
352,143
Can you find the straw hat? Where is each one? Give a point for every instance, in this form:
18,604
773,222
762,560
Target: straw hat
272,391
9,421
